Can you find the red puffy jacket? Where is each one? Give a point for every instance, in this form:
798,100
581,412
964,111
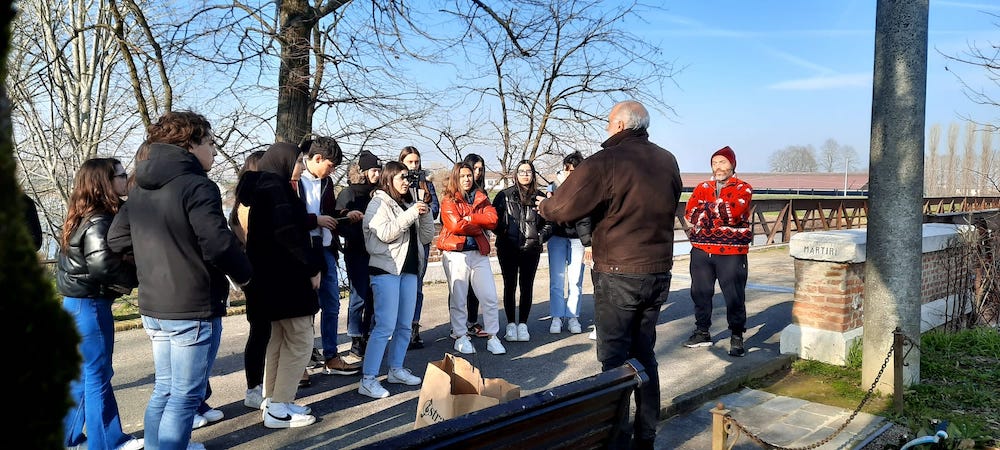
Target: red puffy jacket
459,219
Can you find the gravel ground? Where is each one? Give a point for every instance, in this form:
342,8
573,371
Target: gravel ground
890,439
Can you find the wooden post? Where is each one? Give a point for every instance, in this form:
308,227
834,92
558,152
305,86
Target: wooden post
719,435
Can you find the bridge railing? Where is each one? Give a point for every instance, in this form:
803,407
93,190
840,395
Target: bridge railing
774,221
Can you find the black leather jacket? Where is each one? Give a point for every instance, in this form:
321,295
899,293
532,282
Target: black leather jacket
89,269
519,225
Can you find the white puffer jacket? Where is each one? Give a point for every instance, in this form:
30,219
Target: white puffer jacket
387,232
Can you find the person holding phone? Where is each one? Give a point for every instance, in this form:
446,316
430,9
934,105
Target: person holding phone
410,157
396,227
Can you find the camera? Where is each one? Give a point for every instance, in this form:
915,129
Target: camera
416,176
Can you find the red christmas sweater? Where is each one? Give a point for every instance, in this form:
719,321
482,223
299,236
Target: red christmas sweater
720,225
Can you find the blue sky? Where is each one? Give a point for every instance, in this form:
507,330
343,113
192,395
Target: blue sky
762,75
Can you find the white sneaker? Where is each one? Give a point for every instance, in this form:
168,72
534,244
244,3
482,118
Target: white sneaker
574,326
556,326
279,415
255,398
132,444
511,334
198,422
213,415
372,388
295,408
494,346
403,375
464,345
593,334
522,332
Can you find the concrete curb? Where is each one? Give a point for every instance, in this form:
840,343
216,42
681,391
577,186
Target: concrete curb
690,401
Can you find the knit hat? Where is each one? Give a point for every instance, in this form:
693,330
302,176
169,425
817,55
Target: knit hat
728,153
366,160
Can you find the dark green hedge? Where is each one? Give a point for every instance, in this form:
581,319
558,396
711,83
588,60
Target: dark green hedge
39,351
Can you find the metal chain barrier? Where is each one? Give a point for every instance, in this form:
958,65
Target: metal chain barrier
733,424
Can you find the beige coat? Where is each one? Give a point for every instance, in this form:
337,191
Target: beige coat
386,229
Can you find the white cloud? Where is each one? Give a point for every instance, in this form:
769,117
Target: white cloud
824,82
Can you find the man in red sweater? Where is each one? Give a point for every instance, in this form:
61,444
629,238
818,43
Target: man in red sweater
720,235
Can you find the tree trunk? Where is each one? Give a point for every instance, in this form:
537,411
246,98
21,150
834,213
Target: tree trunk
294,117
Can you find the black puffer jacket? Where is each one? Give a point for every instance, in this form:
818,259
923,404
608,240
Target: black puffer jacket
518,224
183,247
580,229
355,198
89,269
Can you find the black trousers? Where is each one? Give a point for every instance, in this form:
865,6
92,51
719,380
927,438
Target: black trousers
255,351
513,264
731,273
626,309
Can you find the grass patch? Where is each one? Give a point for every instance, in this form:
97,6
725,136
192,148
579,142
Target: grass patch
960,383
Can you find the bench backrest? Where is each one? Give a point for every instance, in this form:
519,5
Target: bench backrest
590,413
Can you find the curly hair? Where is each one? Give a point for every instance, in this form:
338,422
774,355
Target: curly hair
93,193
185,129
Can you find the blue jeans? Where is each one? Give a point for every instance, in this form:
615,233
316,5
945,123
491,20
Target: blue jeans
329,304
94,400
420,285
183,353
626,309
565,263
395,297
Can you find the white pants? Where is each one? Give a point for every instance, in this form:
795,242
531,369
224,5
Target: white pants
462,270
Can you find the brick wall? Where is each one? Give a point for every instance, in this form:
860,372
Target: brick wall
830,295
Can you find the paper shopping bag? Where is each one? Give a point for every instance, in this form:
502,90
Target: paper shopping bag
453,387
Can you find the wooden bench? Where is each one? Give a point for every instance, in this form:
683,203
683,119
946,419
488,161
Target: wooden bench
590,413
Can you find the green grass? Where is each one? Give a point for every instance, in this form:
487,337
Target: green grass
960,383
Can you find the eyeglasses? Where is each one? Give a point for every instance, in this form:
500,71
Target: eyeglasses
121,175
524,172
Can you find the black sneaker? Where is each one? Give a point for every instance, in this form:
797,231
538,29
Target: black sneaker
316,360
358,345
736,346
415,341
699,339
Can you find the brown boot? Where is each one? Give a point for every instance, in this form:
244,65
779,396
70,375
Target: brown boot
337,366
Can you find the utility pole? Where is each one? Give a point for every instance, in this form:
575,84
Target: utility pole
892,270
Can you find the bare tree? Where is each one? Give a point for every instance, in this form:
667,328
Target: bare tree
834,157
952,160
932,170
986,164
988,58
555,68
829,156
970,178
794,158
71,98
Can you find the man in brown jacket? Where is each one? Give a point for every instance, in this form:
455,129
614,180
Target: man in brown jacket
630,189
